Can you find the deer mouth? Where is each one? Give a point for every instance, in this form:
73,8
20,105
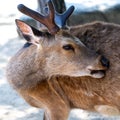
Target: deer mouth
97,73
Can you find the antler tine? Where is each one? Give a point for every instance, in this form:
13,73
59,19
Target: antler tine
61,19
48,20
51,10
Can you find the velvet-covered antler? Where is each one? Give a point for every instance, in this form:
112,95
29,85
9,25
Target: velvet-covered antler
61,19
48,20
52,20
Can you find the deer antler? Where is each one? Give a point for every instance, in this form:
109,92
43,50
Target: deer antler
48,20
61,19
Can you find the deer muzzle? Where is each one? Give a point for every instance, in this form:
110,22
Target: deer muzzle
99,67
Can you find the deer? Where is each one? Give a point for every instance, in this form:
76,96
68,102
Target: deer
61,69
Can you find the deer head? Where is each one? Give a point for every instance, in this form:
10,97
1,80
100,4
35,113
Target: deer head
57,51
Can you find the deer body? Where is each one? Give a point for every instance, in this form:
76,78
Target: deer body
57,72
30,71
105,37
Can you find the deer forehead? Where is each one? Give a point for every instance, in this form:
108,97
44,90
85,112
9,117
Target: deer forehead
60,39
68,39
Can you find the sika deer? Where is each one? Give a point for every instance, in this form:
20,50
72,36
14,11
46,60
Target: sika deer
40,71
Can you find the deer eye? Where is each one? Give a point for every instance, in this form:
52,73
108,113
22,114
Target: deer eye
68,47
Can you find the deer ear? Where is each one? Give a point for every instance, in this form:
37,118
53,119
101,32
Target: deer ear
27,31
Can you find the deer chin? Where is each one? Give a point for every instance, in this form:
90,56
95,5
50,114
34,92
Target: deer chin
97,73
91,73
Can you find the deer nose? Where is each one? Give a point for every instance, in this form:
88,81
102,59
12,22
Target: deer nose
104,61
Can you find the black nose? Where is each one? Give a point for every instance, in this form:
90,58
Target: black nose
104,61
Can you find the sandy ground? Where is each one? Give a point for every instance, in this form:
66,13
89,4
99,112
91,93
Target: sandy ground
12,106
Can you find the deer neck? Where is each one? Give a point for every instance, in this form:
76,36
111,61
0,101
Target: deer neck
25,69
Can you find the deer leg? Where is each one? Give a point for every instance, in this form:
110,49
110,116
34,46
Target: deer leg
56,108
45,117
56,115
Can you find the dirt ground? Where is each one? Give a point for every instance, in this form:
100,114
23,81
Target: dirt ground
12,106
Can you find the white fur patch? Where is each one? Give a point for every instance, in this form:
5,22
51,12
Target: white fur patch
107,110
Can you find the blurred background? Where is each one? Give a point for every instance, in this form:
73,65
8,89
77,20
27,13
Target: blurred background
12,106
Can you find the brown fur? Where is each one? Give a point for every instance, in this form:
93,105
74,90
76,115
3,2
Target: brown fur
59,94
